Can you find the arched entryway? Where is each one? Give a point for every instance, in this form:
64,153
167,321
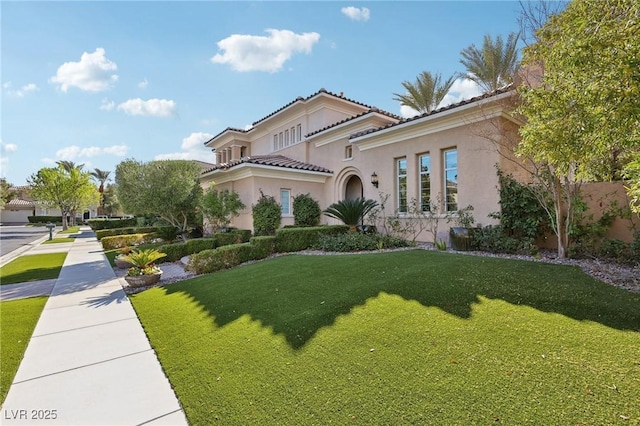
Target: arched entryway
353,189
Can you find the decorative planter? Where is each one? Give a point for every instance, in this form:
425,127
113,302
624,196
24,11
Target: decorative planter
460,238
122,264
143,280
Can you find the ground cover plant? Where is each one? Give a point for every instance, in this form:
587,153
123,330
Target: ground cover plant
18,318
412,337
32,268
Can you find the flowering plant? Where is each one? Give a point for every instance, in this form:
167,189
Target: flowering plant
143,262
136,271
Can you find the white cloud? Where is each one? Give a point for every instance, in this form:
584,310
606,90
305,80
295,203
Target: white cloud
107,105
74,152
21,92
259,53
461,89
143,84
152,107
94,73
356,13
6,149
192,149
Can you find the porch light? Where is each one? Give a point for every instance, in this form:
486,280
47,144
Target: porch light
374,179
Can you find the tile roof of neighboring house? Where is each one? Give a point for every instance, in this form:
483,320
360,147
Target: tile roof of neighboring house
19,203
436,111
203,165
271,160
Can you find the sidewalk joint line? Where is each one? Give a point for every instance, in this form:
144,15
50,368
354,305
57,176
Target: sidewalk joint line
83,366
159,417
83,327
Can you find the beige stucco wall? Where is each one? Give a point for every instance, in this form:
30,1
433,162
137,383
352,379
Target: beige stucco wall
599,198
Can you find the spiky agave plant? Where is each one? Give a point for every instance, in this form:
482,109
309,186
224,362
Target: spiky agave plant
350,212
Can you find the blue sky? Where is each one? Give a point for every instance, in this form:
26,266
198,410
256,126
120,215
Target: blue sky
98,82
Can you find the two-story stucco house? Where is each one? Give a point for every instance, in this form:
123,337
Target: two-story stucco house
335,148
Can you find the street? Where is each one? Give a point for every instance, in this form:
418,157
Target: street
14,237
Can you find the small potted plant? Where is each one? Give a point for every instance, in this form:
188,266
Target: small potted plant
460,235
144,271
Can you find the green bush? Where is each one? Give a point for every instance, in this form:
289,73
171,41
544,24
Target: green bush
45,219
494,239
357,241
100,234
226,257
262,247
120,241
616,250
306,211
177,251
97,224
296,239
266,215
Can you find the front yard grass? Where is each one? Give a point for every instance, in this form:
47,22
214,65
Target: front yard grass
18,318
413,337
32,268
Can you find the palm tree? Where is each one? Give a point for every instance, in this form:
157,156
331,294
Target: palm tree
69,165
101,176
493,66
426,93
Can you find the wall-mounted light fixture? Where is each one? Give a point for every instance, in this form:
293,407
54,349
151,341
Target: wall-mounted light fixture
374,179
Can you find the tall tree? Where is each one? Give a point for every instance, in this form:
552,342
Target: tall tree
67,191
168,189
102,176
493,65
69,165
426,93
6,193
588,103
534,14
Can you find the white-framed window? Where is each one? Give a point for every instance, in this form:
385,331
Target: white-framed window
425,182
293,135
451,180
275,142
299,129
280,140
348,152
401,173
285,202
286,138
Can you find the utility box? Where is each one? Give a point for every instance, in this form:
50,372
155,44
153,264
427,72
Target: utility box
50,227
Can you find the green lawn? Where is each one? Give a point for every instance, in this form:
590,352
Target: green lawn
412,337
32,268
18,318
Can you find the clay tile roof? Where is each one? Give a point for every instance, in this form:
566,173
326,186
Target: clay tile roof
505,89
322,90
18,203
371,110
271,160
228,129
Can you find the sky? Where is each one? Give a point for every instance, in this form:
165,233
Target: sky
96,83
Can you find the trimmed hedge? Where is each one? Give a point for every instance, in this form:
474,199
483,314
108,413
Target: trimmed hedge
45,219
296,239
100,234
120,241
221,258
97,224
177,251
262,247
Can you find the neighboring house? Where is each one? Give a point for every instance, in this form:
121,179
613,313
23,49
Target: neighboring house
336,148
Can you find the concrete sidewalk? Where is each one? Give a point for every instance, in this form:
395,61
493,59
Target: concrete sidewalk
89,361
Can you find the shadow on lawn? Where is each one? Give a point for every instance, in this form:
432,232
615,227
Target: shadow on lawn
298,295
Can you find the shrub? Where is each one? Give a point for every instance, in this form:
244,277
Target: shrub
119,241
616,250
100,234
351,212
97,224
219,207
266,215
306,211
494,239
226,257
177,251
296,239
44,219
262,247
356,241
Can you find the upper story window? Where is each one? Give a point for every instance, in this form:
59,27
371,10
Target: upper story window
299,130
275,142
243,151
348,152
280,140
286,138
425,182
401,170
293,135
451,180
